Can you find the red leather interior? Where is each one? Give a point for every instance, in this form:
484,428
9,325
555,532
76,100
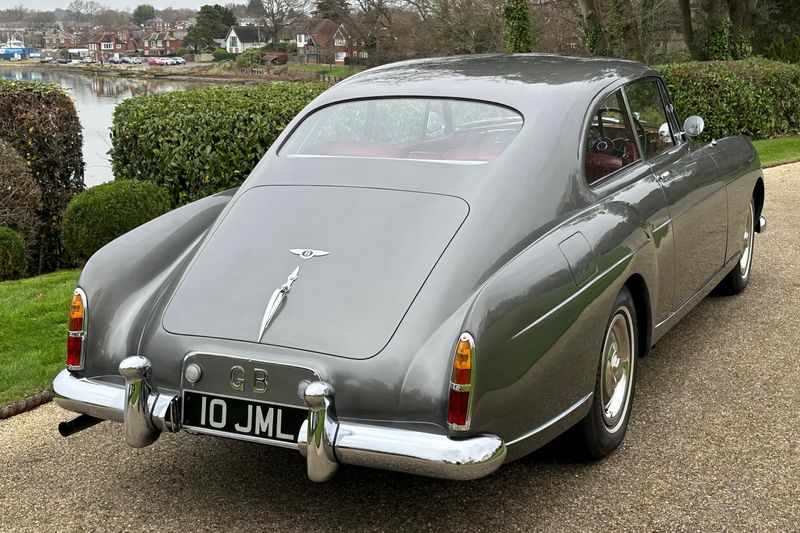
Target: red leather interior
601,165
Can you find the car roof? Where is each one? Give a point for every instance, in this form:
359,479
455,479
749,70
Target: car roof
511,79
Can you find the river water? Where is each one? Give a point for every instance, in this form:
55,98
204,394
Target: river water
95,98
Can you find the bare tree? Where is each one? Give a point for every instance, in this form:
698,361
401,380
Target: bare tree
76,8
92,9
281,14
630,29
462,26
596,34
13,14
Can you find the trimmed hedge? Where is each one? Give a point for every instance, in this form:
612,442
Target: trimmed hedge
754,97
202,141
40,122
100,214
20,196
13,255
786,51
220,54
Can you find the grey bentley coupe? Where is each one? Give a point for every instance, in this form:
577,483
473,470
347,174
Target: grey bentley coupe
439,266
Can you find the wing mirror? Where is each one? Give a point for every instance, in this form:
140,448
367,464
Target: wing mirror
664,134
693,126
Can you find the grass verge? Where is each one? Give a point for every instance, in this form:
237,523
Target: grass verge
34,338
778,151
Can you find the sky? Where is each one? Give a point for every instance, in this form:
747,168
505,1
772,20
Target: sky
47,5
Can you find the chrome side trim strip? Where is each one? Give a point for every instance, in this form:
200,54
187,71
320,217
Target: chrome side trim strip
553,421
662,225
698,295
574,295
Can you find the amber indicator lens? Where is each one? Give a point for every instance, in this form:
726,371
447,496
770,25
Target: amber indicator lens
76,314
462,364
75,335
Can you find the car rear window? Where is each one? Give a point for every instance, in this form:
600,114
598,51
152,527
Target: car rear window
436,129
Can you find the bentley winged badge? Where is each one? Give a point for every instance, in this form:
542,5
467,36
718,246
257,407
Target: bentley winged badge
307,253
275,302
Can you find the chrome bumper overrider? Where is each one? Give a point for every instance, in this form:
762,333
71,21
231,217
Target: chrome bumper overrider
324,440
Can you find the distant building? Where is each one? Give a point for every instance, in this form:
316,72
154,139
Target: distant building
241,38
161,44
105,45
60,39
184,24
155,24
323,41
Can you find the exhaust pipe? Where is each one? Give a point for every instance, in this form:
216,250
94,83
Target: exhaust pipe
75,425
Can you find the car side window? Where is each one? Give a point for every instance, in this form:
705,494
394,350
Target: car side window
611,142
649,117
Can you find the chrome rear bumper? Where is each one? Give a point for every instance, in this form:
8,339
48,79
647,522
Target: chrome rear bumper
324,440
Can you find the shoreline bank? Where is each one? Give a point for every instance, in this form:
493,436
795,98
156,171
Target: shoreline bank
199,73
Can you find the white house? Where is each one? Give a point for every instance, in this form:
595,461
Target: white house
241,38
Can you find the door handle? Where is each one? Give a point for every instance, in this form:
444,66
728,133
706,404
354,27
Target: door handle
664,175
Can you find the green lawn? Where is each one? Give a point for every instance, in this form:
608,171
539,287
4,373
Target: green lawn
777,151
34,338
331,70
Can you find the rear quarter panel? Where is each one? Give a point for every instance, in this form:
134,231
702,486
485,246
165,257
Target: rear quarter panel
539,329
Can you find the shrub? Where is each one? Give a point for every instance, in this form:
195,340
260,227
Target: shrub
100,214
754,97
780,50
13,255
250,59
198,142
182,51
220,54
40,122
20,196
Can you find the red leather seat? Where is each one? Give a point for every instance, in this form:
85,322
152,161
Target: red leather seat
601,165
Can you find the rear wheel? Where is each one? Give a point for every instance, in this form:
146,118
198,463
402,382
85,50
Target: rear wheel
738,278
603,429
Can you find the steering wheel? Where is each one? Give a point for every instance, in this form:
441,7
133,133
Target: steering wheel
623,150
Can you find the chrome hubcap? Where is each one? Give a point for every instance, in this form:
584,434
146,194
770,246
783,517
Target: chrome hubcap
617,369
747,244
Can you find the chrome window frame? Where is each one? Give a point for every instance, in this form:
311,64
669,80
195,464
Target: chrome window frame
599,99
668,108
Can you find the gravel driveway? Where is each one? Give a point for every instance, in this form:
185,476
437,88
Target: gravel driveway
714,444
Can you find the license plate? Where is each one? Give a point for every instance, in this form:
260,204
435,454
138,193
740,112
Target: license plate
243,419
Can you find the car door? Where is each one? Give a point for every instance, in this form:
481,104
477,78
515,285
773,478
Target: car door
615,169
692,183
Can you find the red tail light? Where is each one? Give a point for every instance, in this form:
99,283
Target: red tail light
77,331
462,381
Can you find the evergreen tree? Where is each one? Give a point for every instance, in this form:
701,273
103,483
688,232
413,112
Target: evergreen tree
517,27
143,12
